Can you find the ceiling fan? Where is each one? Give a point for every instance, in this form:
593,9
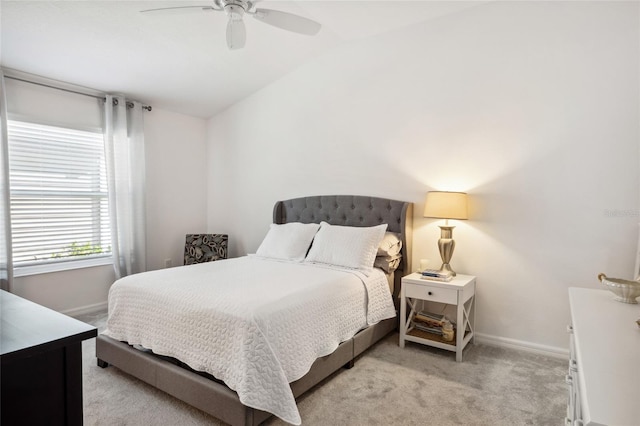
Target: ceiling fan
236,9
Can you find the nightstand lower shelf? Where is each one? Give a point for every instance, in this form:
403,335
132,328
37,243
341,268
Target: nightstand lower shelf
435,340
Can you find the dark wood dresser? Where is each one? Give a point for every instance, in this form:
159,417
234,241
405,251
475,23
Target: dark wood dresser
41,364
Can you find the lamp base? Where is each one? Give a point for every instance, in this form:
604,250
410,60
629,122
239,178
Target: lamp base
446,244
446,269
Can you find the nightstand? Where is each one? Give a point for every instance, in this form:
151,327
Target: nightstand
459,292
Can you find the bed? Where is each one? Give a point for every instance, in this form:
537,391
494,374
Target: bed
190,380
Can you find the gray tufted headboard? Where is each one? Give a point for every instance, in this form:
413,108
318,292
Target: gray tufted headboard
354,210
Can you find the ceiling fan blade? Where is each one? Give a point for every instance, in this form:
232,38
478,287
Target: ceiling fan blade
236,34
287,21
181,9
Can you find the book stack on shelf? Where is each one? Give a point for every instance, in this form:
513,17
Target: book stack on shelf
434,324
436,275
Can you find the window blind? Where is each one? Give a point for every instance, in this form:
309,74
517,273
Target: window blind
59,196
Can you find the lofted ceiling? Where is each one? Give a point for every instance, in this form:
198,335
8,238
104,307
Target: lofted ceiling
180,62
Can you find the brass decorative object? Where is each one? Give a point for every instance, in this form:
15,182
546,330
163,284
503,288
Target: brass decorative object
446,205
626,291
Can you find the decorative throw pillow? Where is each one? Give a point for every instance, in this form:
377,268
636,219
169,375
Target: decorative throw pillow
346,246
387,263
289,241
200,248
390,245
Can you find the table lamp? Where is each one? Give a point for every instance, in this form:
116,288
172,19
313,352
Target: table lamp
446,205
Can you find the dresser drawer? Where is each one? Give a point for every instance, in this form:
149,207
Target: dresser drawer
431,293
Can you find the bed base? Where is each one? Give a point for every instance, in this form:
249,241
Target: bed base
214,397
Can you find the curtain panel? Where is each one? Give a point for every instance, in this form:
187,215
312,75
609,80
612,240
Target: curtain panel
6,266
124,147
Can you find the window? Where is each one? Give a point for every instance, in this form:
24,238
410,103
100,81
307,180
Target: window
59,196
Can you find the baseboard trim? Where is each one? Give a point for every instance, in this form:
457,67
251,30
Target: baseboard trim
521,345
88,309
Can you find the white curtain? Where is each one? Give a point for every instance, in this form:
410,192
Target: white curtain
6,262
124,146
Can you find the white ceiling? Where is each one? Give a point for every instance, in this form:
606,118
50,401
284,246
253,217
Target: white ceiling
180,62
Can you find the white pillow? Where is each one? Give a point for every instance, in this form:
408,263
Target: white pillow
289,241
346,246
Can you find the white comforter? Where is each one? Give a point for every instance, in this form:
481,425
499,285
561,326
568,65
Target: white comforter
256,324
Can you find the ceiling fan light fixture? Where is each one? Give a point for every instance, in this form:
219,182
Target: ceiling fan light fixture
236,33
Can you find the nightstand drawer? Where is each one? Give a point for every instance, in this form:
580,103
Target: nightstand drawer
431,293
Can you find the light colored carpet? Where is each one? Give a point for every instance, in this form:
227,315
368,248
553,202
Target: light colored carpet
388,386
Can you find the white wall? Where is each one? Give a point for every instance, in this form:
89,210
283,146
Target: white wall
531,107
176,184
176,201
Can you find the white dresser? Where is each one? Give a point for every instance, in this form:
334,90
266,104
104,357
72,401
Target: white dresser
604,365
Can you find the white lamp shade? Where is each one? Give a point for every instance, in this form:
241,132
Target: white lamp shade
446,205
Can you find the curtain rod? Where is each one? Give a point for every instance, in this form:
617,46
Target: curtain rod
104,99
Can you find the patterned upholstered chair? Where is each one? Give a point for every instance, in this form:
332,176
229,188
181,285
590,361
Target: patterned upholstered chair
200,248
